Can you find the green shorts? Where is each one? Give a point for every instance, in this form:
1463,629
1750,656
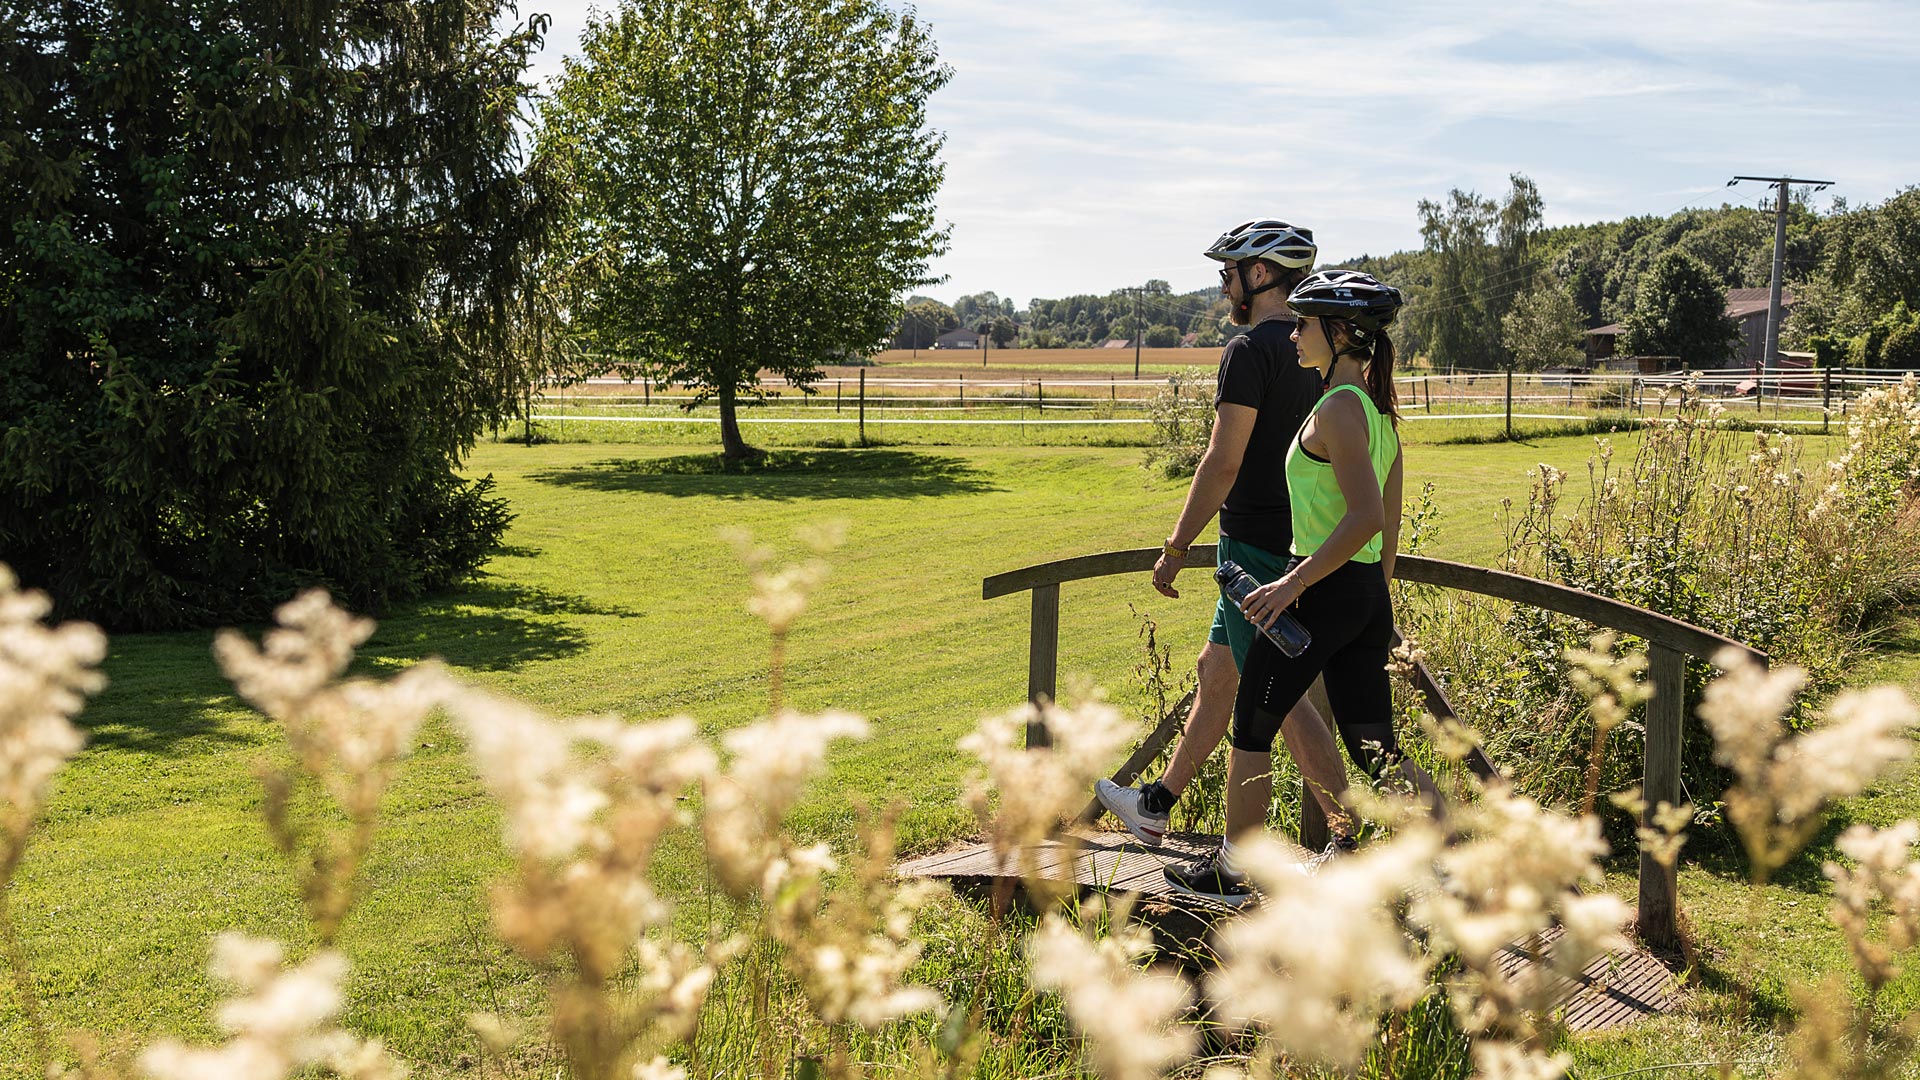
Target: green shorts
1231,628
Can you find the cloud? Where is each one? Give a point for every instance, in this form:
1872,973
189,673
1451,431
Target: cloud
1091,146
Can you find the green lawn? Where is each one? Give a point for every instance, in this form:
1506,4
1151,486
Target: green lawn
617,594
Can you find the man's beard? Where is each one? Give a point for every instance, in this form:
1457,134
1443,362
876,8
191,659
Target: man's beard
1240,316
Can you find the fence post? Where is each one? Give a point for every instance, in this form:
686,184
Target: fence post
1043,645
1666,716
963,391
646,387
863,406
1826,398
1509,402
1040,388
836,394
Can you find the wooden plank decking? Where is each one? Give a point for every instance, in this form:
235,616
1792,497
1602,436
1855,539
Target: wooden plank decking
1611,991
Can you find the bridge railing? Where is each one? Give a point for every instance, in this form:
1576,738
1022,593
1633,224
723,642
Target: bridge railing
1669,643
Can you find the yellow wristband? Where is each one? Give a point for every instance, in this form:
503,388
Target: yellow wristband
1168,547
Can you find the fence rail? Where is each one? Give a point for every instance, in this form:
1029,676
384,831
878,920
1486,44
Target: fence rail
1786,398
1670,642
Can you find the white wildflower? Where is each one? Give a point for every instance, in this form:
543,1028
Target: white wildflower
1510,1061
1130,1017
1885,879
1038,787
1504,880
1784,782
1866,733
658,1068
747,803
1610,684
780,593
283,1021
1592,922
1320,961
46,674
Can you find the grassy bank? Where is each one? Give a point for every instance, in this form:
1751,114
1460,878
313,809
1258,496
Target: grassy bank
617,595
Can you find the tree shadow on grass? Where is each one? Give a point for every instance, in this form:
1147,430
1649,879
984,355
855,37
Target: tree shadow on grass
165,694
781,474
489,625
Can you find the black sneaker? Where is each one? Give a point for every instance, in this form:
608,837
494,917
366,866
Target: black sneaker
1208,880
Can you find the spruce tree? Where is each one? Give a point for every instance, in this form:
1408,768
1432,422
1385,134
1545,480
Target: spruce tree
258,262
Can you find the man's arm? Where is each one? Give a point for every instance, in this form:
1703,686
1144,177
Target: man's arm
1219,467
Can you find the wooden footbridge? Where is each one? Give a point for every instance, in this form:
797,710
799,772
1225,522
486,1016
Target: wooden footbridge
1613,990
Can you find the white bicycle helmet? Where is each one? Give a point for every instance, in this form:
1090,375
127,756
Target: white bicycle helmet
1266,238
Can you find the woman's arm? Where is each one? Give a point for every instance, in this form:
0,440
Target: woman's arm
1390,498
1342,424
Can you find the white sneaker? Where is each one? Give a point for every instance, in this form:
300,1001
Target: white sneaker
1129,806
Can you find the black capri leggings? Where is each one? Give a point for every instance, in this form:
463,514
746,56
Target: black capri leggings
1350,615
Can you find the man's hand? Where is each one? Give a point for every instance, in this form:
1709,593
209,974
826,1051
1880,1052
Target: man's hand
1164,571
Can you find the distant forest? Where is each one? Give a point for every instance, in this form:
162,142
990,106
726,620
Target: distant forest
1492,287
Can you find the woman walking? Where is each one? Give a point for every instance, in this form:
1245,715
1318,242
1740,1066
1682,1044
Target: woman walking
1344,486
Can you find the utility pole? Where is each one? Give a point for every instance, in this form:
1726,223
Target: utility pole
1782,184
1137,335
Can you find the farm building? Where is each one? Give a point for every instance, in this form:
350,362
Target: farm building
962,338
1747,307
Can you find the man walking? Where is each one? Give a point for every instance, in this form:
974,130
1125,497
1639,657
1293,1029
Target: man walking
1262,398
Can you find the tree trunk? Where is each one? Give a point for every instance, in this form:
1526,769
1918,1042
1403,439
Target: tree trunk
732,446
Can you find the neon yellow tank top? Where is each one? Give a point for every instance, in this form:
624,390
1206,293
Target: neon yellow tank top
1314,494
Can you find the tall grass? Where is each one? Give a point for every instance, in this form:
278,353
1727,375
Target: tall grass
807,961
1730,530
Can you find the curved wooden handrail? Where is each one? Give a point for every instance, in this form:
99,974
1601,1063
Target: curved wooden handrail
1638,621
1669,640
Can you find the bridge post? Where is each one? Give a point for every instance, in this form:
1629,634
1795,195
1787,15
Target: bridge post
1043,656
1666,716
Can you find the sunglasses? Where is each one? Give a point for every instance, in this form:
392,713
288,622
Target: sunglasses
1227,272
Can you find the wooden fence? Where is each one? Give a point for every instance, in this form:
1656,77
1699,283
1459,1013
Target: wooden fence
1669,643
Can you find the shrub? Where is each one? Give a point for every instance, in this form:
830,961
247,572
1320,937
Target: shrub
1717,527
1182,416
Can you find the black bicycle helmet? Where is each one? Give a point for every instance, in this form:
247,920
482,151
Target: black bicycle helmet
1350,296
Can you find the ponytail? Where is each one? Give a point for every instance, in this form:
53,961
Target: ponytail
1380,379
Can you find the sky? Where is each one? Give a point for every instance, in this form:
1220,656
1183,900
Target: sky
1094,146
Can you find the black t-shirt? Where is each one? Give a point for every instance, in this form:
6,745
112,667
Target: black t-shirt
1260,369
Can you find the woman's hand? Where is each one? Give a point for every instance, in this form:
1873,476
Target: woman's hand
1265,603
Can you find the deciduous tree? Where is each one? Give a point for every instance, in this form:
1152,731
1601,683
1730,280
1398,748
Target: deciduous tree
755,181
1542,329
1680,310
1480,255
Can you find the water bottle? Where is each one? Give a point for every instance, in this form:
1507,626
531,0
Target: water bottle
1286,631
